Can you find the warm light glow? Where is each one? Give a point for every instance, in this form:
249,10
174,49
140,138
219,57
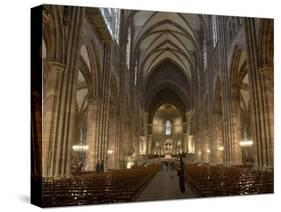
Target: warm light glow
246,143
199,153
191,146
80,148
109,151
221,148
129,164
208,151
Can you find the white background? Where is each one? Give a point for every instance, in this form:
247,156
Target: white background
15,103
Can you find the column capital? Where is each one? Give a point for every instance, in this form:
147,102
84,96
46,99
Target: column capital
93,100
265,69
53,65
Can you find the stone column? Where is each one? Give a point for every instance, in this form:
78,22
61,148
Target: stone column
196,137
145,126
54,71
114,146
185,141
226,116
149,144
63,125
112,141
126,139
266,77
118,143
198,148
206,150
236,153
188,126
218,152
105,141
264,119
67,148
103,108
100,125
91,139
261,93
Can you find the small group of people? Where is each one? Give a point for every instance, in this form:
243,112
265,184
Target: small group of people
170,166
77,168
99,167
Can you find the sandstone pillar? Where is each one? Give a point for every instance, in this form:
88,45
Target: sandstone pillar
236,153
54,71
261,85
91,139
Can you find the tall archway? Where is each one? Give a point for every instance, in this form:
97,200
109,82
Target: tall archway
240,118
167,91
246,120
88,105
166,123
80,122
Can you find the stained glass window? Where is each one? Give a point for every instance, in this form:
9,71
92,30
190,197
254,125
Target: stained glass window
205,55
168,127
135,74
215,33
112,20
128,51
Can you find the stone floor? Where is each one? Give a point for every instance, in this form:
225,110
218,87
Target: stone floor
164,186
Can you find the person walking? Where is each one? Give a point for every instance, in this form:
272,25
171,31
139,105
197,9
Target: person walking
98,167
102,166
181,176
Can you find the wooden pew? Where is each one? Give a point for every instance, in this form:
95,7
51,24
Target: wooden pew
209,181
93,188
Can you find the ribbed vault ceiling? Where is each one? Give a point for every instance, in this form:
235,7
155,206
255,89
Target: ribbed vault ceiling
163,35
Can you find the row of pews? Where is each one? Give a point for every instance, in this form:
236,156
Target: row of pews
94,188
208,181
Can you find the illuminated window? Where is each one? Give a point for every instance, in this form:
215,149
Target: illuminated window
168,127
128,50
112,20
215,33
117,25
135,74
205,55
